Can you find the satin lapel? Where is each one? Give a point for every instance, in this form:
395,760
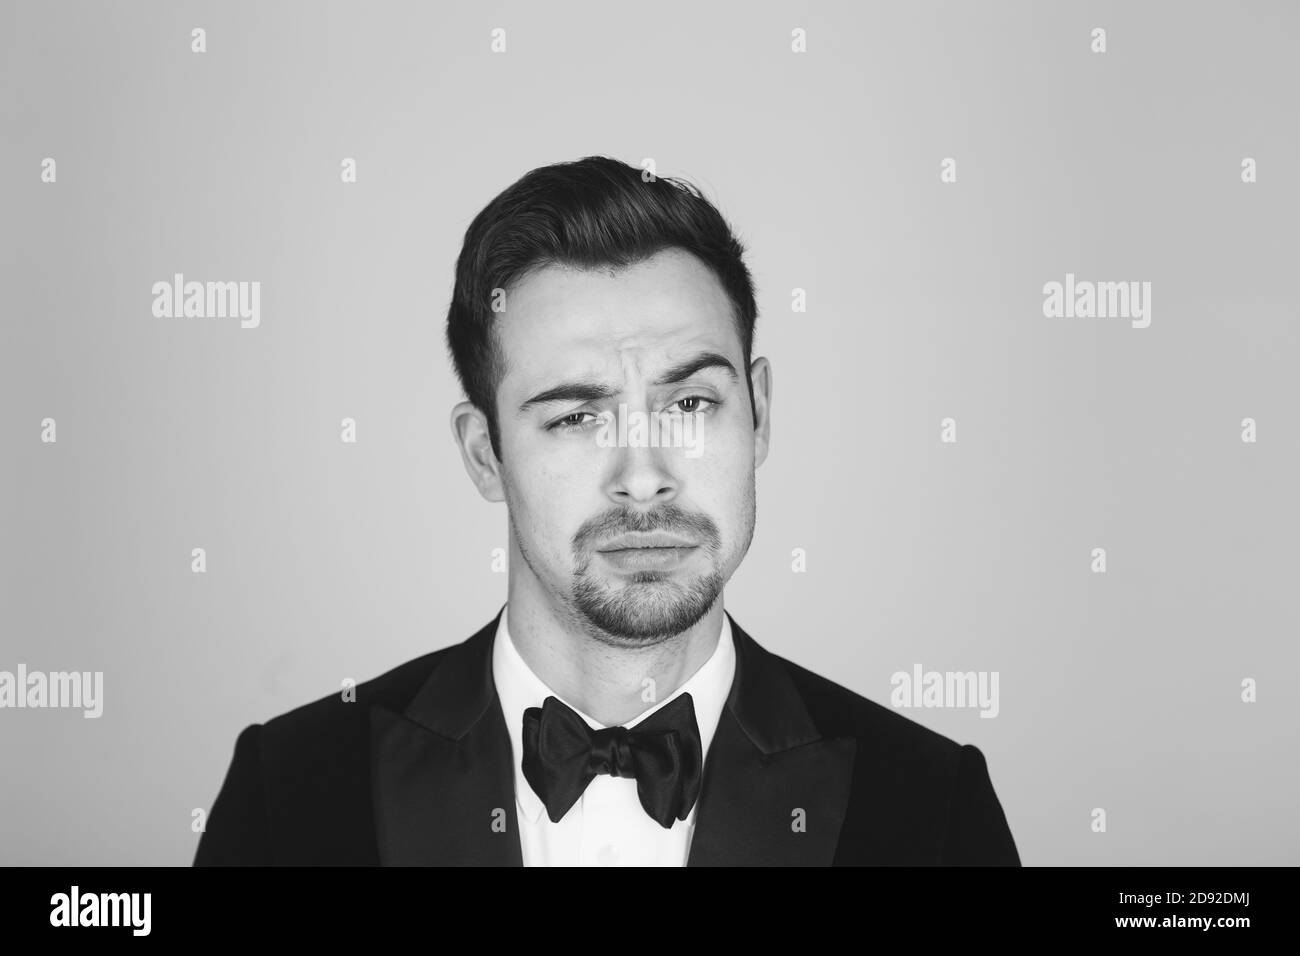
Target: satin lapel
441,771
775,791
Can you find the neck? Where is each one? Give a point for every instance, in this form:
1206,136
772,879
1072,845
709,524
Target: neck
610,683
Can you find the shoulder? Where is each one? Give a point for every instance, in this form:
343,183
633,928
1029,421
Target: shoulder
341,717
936,792
305,773
889,746
840,712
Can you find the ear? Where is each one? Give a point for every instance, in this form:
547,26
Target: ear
760,372
470,429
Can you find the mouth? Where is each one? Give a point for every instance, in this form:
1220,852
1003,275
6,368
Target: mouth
646,552
655,541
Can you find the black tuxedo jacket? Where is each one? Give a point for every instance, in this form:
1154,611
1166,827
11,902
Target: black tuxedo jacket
418,770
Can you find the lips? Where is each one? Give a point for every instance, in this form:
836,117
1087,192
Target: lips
638,542
641,557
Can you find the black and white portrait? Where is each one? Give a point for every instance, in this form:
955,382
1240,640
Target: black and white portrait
613,711
689,435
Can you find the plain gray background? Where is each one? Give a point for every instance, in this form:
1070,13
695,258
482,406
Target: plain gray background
328,560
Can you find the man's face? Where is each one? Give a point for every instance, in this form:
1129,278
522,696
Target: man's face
634,540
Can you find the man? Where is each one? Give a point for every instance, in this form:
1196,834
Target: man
612,712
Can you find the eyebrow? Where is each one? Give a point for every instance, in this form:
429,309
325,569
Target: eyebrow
594,391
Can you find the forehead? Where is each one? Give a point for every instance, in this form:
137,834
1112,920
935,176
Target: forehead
560,321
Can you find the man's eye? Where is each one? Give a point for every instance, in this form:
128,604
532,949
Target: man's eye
696,399
569,422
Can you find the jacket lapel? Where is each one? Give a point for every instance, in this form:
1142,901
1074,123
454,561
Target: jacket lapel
441,771
775,791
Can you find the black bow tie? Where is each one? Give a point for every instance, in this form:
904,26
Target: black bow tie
562,755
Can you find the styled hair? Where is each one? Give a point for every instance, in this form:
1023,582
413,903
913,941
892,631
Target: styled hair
590,213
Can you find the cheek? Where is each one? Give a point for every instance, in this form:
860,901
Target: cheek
546,503
725,456
718,483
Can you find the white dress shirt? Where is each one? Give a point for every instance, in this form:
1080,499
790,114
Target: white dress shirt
607,826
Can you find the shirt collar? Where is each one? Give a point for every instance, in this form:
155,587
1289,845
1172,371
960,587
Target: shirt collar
519,688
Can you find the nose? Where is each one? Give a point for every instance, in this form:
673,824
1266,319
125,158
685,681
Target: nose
641,477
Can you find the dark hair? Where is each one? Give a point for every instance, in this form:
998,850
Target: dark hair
590,213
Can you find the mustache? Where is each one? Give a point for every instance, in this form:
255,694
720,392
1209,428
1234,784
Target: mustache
671,518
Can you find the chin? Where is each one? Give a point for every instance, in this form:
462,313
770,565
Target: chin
648,608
